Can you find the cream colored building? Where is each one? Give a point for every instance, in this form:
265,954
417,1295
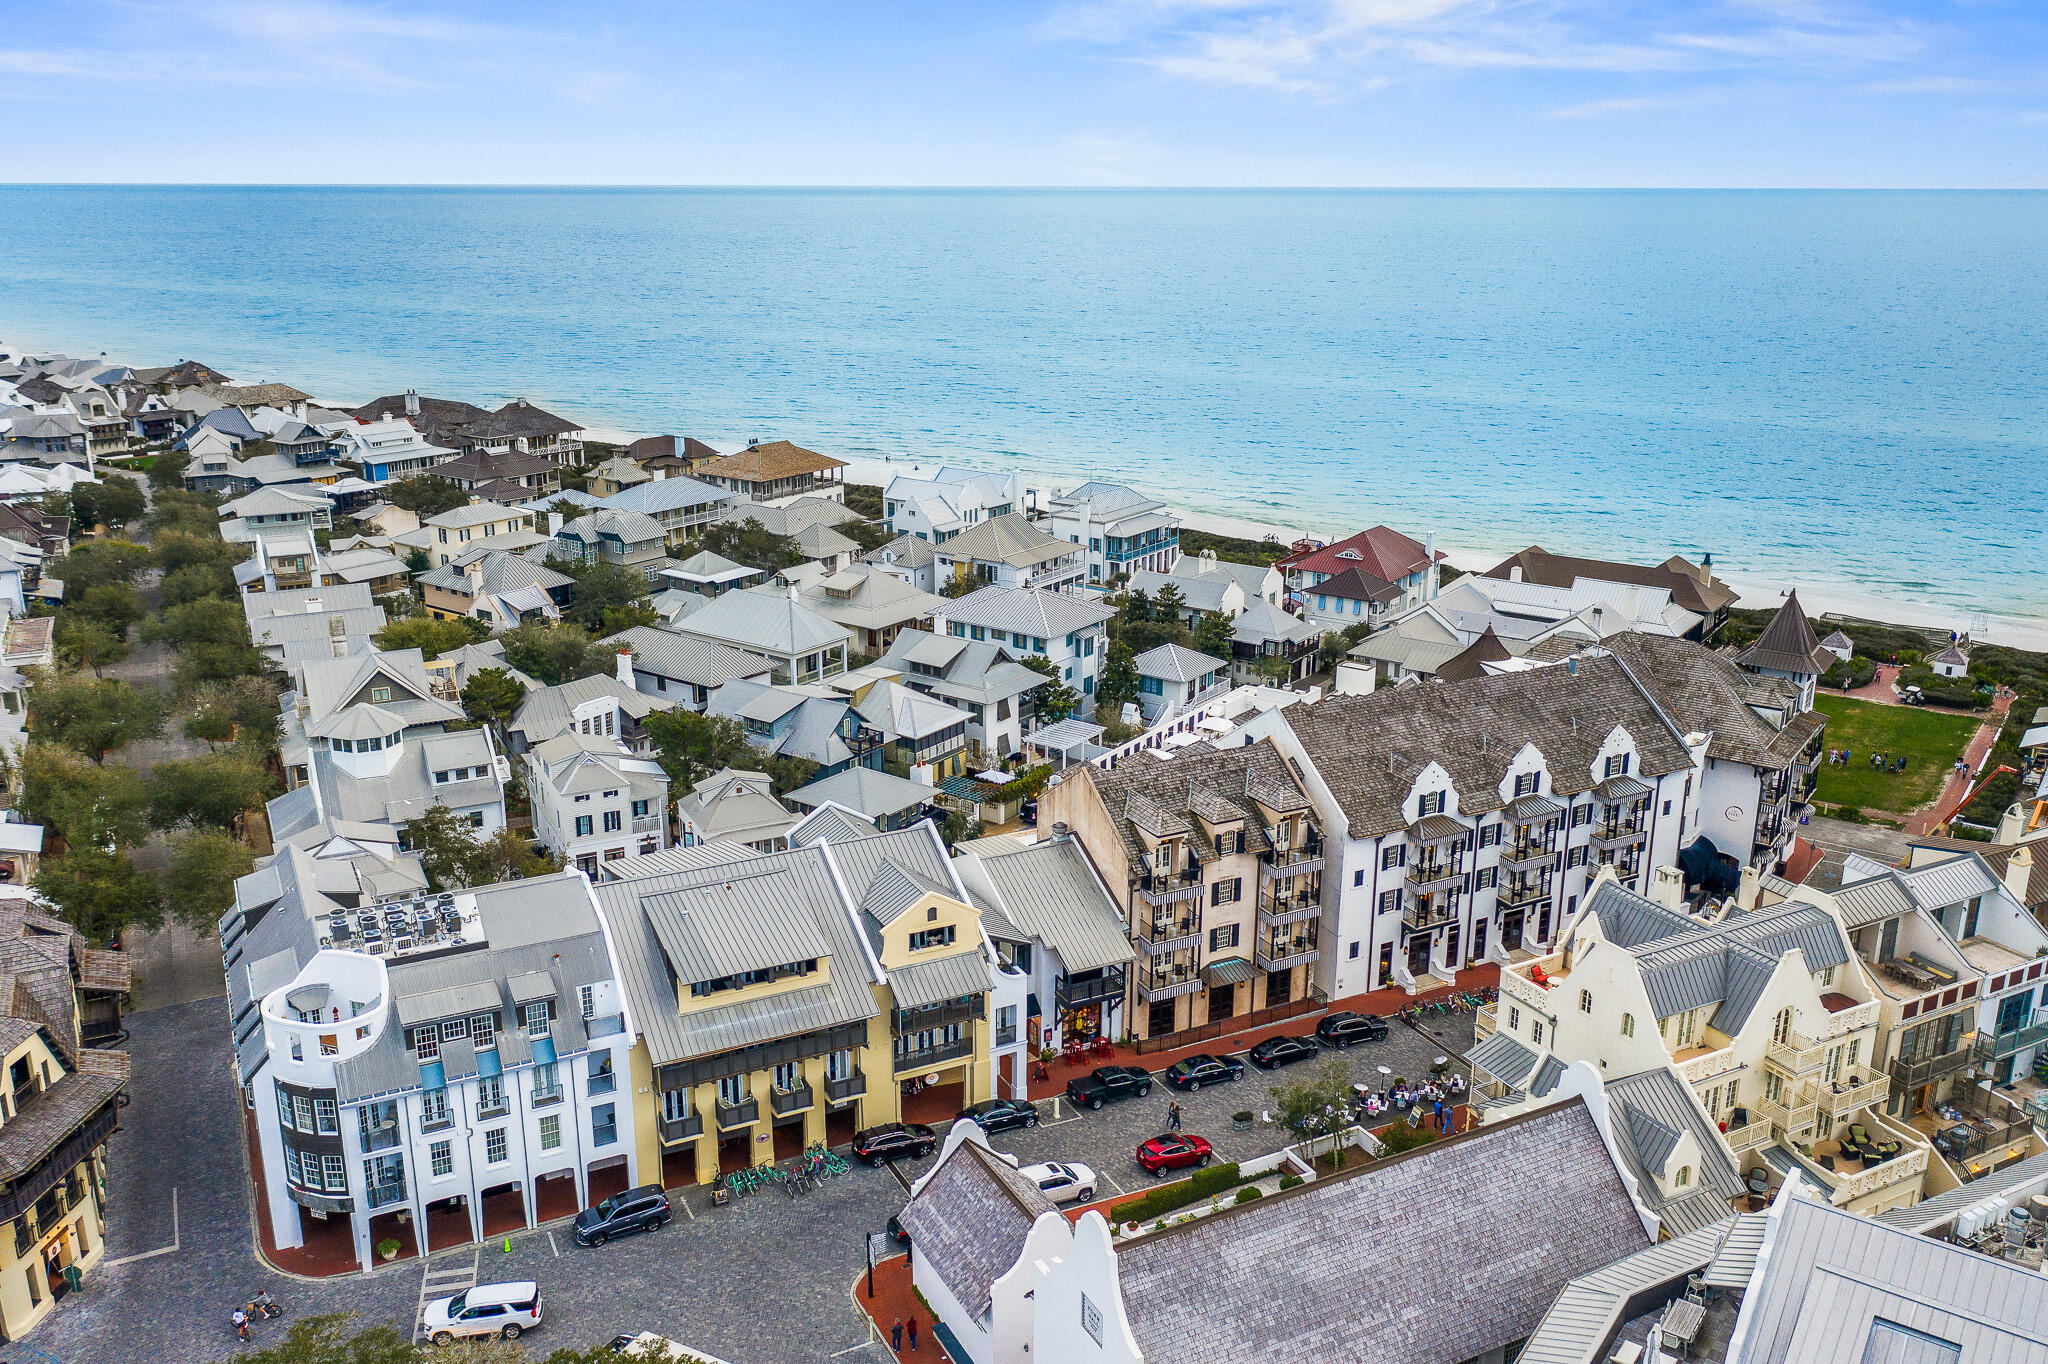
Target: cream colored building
788,999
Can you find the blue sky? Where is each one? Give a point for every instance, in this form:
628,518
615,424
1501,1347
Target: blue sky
1070,92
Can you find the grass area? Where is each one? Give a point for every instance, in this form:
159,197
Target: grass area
1230,547
1929,742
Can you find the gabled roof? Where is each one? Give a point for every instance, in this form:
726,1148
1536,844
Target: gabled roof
1384,553
1048,891
1471,663
700,662
1692,587
1355,583
1008,539
667,494
1262,622
1177,664
630,527
1706,692
774,623
1787,644
969,1218
873,794
1028,611
1654,1107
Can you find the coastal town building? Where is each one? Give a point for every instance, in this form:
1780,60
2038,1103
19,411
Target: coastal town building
667,456
979,677
624,539
683,506
1268,646
683,669
1691,587
1009,1277
920,732
518,426
293,626
1060,626
911,559
880,798
707,574
387,448
1008,551
934,507
778,471
426,1070
1122,529
1172,679
276,509
499,475
798,721
787,999
800,645
1520,621
615,475
1789,649
595,800
736,807
1367,564
501,590
451,533
872,606
1207,585
1217,858
602,706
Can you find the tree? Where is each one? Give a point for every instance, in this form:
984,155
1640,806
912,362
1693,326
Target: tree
86,806
1318,1107
566,509
93,715
211,791
199,664
1136,608
195,515
209,620
244,707
1168,606
168,470
507,856
112,605
112,501
1055,700
424,495
552,654
103,561
1212,635
200,880
100,893
605,592
89,644
751,543
446,847
430,636
869,535
196,581
491,695
960,584
692,746
180,549
1118,683
416,561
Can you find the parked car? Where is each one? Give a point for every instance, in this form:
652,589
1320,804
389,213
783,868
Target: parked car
641,1209
489,1309
1063,1181
1343,1028
1000,1115
1104,1083
893,1141
898,1234
1197,1071
1173,1151
1275,1052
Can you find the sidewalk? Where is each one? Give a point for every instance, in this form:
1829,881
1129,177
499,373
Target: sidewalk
1384,1002
1945,805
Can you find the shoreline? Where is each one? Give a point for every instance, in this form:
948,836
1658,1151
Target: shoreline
1820,598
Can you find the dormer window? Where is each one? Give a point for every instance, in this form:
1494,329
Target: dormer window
1526,783
1432,803
1617,766
380,693
942,936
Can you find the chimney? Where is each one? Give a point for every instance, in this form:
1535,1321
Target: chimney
792,593
412,403
1514,573
2019,868
626,666
1571,669
1667,887
1706,568
1751,887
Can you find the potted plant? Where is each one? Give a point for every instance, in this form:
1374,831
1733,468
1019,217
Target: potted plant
1241,1119
387,1249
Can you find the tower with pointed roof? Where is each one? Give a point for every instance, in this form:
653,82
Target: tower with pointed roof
1789,648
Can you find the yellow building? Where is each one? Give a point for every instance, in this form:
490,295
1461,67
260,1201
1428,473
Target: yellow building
788,999
59,1101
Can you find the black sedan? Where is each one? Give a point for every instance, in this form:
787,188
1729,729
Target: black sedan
1104,1083
1000,1115
893,1141
1342,1029
1275,1052
1197,1071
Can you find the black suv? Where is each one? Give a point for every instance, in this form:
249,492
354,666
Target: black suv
1000,1115
893,1141
1108,1082
641,1209
1275,1052
1340,1030
1197,1071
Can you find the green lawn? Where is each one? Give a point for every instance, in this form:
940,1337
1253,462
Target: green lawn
1929,742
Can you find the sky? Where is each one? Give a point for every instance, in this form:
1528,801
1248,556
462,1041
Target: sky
1632,93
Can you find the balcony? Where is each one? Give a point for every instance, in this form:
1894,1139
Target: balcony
1998,1046
1793,1111
1857,1088
1795,1056
1423,914
543,1095
925,1057
845,1087
1912,1074
1165,888
1749,1136
601,1082
493,1108
1276,951
1519,891
795,1099
1515,856
675,1131
1617,833
383,1195
1425,877
1289,909
649,824
380,1136
1075,992
1006,1034
745,1113
604,1133
1167,933
1166,980
1277,863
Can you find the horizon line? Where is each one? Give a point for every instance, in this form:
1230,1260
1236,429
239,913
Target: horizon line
849,187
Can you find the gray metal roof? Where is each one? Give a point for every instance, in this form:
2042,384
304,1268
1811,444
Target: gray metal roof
1655,1107
895,889
874,794
1688,963
1931,1213
830,824
1587,1315
752,920
767,621
1832,1288
1177,664
1735,1261
1028,611
1408,1266
449,1001
1505,1059
1048,891
700,662
1872,901
934,982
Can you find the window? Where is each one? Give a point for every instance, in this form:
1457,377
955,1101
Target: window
453,1028
613,821
483,1031
1432,803
1486,878
1585,1001
495,1149
551,1132
583,826
1390,900
941,936
1525,783
1536,1033
1226,892
1393,856
284,1109
337,1174
1575,857
1582,815
732,1089
789,1075
1514,1018
1354,952
639,808
1489,834
434,1108
1628,1025
535,1017
587,997
441,1159
380,693
1358,877
1667,807
303,1107
298,1051
1222,937
327,1120
1617,765
1682,1178
426,1043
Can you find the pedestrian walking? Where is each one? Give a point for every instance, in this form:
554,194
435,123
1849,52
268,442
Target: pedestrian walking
1173,1117
896,1335
913,1335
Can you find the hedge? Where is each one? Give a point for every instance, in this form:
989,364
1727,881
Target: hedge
1167,1198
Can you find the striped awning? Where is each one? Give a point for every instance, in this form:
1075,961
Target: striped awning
935,982
1229,971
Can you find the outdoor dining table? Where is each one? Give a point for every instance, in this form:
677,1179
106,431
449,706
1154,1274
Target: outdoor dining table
1682,1322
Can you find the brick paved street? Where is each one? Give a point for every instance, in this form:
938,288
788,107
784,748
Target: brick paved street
764,1280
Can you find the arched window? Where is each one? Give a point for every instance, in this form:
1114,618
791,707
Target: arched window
1628,1025
1781,1027
1682,1178
1585,1001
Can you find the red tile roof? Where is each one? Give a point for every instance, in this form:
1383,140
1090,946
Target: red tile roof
1382,551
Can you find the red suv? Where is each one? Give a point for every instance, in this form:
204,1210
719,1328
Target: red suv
1173,1151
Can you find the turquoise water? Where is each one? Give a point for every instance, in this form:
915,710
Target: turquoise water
1840,389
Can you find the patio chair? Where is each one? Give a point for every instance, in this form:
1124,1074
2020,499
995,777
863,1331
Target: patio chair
1887,1149
1857,1134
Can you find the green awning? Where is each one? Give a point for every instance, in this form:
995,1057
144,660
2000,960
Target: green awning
1229,971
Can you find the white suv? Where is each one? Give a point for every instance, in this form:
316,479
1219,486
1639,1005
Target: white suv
495,1309
1063,1181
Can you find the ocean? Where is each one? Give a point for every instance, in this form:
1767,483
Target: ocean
1840,390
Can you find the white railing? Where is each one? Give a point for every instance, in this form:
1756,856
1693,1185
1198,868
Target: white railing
1904,1166
1700,1069
1520,987
1848,1021
1749,1135
1228,706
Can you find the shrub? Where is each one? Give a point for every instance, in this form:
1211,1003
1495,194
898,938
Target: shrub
1401,1137
1291,1182
1247,1194
1167,1197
